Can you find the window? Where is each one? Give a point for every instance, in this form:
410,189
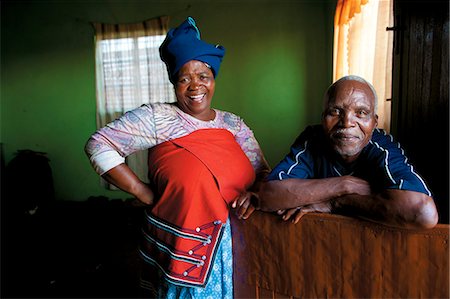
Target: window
129,73
133,73
363,47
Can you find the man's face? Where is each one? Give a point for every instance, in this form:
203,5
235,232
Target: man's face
349,118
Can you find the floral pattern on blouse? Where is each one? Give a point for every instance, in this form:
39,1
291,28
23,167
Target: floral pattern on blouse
152,124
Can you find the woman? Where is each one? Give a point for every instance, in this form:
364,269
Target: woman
201,161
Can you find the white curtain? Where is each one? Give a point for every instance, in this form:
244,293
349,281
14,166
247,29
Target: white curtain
363,47
129,73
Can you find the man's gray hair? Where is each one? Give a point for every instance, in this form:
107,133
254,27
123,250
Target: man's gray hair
351,78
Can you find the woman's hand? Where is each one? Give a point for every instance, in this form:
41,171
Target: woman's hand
145,194
245,204
125,179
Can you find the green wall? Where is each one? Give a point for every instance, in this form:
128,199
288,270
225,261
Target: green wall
277,66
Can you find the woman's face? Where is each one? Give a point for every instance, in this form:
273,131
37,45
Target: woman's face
194,90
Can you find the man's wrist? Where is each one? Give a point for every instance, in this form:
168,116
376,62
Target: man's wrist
335,204
255,201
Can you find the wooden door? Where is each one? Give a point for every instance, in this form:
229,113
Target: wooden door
420,109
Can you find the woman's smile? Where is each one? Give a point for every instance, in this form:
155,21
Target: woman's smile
197,98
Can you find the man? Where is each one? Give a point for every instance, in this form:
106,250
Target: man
348,166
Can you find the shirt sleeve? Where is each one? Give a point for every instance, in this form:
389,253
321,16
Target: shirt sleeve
133,131
399,173
246,139
298,163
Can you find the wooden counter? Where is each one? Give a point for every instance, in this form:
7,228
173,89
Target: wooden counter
334,256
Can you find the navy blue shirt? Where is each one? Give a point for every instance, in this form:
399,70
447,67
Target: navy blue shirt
382,163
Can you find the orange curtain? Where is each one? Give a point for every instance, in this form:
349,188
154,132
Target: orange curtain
363,47
345,10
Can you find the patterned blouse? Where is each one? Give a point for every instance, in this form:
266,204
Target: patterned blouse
152,124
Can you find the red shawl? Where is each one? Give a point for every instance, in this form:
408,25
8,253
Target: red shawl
195,178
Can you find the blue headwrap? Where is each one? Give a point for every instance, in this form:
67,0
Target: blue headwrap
183,44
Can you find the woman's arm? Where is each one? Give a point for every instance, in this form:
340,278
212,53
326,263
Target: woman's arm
108,147
245,203
125,179
132,132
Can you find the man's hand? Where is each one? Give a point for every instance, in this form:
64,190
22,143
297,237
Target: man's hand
245,204
354,185
295,214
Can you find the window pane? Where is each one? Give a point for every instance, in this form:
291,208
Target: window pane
134,73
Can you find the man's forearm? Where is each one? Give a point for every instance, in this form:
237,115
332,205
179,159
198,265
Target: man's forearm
396,208
291,193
